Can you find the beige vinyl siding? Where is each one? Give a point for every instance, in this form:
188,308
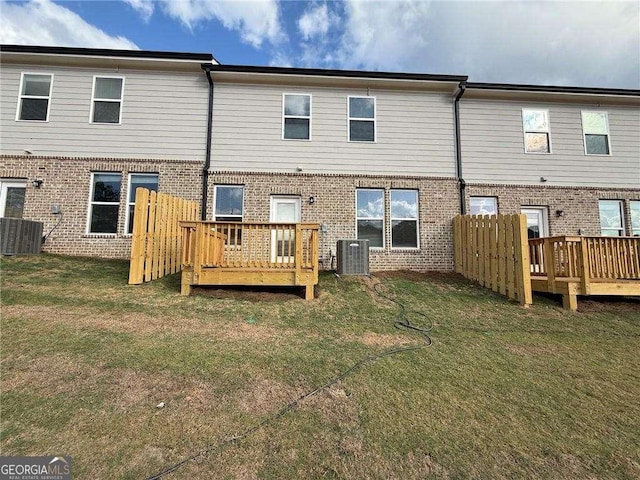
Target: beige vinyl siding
493,146
164,116
414,132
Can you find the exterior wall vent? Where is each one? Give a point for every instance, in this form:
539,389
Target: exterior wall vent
353,257
19,236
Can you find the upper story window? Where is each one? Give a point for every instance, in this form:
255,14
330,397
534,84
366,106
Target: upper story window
483,205
362,119
35,97
370,216
144,180
634,206
535,124
611,219
106,102
104,202
296,117
404,219
595,128
228,203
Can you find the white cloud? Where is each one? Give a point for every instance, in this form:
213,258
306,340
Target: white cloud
42,22
316,21
257,21
144,7
576,43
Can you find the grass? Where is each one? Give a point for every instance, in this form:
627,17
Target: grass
503,392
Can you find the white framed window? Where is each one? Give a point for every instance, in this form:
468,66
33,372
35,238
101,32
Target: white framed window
483,205
34,102
144,180
595,129
106,100
370,216
535,124
404,219
296,116
611,218
634,207
362,119
12,196
104,202
229,200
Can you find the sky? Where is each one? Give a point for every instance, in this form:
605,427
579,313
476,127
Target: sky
578,43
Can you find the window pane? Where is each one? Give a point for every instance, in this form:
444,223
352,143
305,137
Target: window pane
483,206
404,233
610,214
362,107
106,112
130,213
106,187
595,123
150,182
370,230
14,204
536,143
635,217
228,219
404,204
37,85
535,120
104,219
229,201
361,131
370,204
296,128
297,105
110,88
34,109
597,144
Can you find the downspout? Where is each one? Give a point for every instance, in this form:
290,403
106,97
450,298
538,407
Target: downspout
207,158
461,182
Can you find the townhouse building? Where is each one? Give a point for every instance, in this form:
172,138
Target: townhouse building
389,157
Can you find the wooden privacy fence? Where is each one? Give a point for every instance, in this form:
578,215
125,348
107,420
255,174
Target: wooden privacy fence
156,244
493,250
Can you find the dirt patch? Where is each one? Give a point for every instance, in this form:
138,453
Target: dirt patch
265,396
252,294
614,305
336,407
379,339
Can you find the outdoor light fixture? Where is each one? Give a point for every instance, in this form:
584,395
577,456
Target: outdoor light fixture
37,183
559,213
542,179
312,200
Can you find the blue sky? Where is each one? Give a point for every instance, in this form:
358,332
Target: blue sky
594,44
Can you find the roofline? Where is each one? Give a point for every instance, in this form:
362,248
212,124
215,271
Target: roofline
552,89
105,52
318,72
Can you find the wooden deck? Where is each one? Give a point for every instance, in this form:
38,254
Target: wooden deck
266,254
573,266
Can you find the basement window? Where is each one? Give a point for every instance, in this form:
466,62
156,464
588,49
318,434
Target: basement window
106,103
535,124
634,206
595,128
296,117
35,97
370,216
362,119
105,202
611,219
404,219
483,205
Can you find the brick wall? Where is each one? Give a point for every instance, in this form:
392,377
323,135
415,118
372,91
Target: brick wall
578,204
67,183
334,206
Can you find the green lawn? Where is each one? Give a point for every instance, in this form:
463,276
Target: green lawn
503,392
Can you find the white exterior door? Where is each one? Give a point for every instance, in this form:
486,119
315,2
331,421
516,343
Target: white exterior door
284,209
12,193
537,222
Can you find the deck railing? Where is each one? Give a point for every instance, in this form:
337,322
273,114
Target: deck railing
595,258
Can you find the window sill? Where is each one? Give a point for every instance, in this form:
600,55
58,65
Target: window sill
405,250
32,121
100,235
538,153
296,139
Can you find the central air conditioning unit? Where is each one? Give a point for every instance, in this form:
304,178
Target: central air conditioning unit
353,257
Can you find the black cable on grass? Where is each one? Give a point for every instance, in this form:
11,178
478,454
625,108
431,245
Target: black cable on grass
400,322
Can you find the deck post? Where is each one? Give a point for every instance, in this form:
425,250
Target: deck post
585,274
570,299
308,292
549,264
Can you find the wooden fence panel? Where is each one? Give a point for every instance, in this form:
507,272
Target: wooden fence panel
493,250
156,244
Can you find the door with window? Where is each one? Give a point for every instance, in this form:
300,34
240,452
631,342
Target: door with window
12,193
284,209
537,223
